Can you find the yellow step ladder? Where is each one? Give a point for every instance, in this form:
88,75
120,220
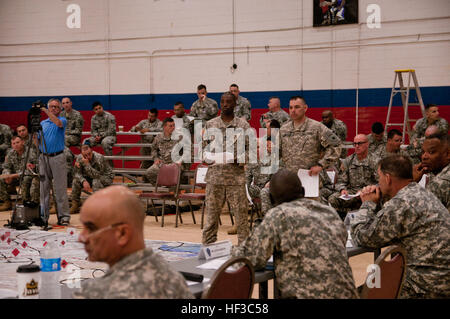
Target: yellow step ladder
404,92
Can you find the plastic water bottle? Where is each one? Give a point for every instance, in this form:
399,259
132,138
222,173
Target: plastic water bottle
50,272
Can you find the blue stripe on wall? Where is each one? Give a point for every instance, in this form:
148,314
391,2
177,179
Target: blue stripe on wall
315,98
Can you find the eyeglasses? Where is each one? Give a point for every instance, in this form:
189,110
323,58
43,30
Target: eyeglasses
358,143
96,232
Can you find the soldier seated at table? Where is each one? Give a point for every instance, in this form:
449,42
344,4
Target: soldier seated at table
91,170
162,151
14,164
356,171
113,233
413,218
103,129
307,240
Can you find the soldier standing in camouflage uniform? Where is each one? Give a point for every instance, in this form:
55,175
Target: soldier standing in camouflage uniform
303,236
436,162
91,170
113,232
152,124
103,129
275,113
377,139
14,164
357,170
5,141
162,150
204,108
226,182
431,118
75,123
337,126
304,140
243,107
415,220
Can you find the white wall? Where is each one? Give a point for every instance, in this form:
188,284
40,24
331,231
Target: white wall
170,46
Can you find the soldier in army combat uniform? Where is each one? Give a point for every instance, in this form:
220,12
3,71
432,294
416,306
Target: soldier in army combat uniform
75,123
152,124
14,164
204,108
113,232
91,170
162,151
243,107
303,236
337,126
357,170
103,129
275,113
431,118
306,143
412,218
5,141
436,163
226,181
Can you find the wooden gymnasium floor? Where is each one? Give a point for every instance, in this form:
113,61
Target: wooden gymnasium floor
192,233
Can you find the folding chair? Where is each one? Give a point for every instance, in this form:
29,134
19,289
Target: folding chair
392,275
232,284
255,207
168,176
199,182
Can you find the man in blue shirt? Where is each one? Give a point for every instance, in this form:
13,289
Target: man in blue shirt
52,162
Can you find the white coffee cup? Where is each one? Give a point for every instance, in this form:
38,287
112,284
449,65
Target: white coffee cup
28,281
120,128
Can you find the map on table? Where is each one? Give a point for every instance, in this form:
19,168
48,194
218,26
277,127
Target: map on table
20,247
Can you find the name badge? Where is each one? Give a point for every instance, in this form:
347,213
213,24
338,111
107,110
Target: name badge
217,249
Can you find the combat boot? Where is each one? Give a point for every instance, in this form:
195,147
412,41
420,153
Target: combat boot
6,205
75,209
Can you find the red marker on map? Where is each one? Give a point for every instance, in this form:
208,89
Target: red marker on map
24,244
15,252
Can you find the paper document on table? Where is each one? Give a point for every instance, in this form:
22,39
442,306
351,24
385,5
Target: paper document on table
219,158
190,283
214,263
309,183
349,196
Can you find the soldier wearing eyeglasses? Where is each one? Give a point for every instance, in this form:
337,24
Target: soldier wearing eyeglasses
113,232
356,171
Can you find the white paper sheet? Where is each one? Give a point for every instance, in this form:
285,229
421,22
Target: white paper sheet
214,263
310,183
201,175
423,181
349,196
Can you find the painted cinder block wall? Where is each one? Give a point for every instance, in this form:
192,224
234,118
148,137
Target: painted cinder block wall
136,54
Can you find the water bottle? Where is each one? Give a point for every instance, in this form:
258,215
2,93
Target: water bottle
50,272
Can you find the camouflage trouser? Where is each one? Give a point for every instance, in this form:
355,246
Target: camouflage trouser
107,143
72,140
344,206
151,174
96,184
146,151
216,195
30,189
